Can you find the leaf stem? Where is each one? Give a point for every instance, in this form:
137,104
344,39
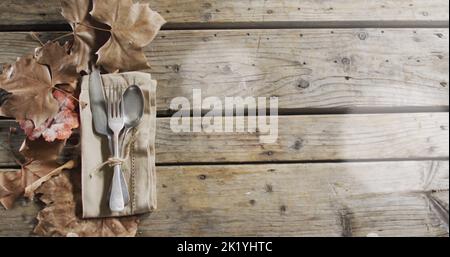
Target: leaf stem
93,27
35,36
29,190
63,36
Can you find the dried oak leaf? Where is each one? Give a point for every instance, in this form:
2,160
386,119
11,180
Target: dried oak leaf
29,91
133,26
87,40
63,67
61,216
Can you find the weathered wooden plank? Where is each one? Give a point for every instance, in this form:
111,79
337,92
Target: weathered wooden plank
322,199
305,69
19,221
8,143
310,138
322,137
299,199
19,12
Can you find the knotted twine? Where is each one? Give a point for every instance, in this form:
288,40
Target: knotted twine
114,161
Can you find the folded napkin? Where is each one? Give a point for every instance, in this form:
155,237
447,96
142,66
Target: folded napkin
139,159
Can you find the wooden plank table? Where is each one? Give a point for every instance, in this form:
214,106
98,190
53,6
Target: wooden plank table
363,94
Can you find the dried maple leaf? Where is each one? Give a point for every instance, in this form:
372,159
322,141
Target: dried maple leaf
27,93
41,150
61,126
10,187
87,39
133,26
28,88
61,216
62,65
41,158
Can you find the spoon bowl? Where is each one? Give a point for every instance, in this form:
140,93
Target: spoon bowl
133,99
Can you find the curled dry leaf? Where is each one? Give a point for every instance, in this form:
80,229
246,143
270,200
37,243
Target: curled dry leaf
87,39
62,65
133,26
26,90
61,216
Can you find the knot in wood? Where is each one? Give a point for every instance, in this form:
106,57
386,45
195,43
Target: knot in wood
346,61
363,35
303,84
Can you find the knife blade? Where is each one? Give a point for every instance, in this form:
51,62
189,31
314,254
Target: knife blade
98,103
100,119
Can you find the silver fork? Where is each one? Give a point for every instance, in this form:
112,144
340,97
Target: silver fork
116,123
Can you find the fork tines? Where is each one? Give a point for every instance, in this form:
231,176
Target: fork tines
115,98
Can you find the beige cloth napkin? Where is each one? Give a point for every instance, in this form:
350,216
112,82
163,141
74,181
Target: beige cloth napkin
139,165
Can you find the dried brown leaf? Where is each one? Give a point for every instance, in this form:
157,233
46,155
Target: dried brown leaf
87,39
41,159
61,216
10,187
41,150
133,26
62,66
28,88
58,128
30,189
13,184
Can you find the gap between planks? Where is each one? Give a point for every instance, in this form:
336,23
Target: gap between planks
194,13
244,163
321,111
259,25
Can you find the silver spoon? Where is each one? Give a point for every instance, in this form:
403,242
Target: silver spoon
133,107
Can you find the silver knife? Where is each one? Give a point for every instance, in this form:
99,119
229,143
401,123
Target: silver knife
99,117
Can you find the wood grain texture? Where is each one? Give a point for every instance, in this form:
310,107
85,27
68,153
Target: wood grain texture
8,143
347,69
308,138
306,68
19,12
336,70
323,199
